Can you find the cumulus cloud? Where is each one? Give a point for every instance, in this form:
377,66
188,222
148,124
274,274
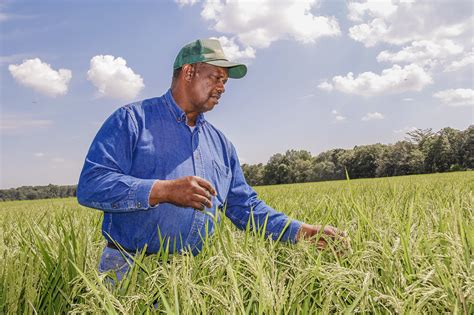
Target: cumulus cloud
406,21
113,78
467,60
233,51
41,77
456,97
393,80
423,52
373,116
259,23
380,8
325,86
39,154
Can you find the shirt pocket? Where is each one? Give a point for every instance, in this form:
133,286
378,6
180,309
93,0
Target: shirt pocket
223,178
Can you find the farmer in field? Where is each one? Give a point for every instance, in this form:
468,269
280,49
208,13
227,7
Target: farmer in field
159,170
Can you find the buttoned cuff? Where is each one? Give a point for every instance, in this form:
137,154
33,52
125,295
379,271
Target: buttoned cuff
142,194
292,231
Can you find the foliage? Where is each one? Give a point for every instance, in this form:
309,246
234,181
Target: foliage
412,251
422,152
37,192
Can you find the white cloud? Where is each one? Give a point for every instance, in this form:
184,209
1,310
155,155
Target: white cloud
456,97
113,78
39,154
233,51
325,86
408,99
405,130
259,23
359,10
373,116
468,59
182,3
393,80
422,52
41,77
400,22
338,117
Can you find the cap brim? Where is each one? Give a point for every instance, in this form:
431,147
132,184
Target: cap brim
236,70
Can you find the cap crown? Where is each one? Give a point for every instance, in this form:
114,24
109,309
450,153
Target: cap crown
209,51
201,50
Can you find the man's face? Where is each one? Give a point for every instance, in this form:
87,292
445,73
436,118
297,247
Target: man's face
207,86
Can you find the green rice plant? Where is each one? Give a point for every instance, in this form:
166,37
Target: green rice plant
412,241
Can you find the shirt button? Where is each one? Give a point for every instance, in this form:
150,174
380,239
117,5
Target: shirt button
139,205
179,119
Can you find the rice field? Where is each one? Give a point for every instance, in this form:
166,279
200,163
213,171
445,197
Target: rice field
412,242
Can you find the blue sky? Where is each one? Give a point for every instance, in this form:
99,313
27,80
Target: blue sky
322,74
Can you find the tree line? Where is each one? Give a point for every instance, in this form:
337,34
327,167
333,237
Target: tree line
423,151
37,192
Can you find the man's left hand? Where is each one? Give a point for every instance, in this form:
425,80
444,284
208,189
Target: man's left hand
326,233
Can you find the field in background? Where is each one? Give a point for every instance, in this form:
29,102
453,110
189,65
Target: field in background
412,252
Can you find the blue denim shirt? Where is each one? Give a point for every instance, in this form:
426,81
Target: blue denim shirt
149,140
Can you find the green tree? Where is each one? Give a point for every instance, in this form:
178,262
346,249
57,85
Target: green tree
402,158
361,162
253,174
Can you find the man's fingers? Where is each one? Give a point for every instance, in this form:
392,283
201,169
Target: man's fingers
334,232
330,231
204,183
202,200
198,206
321,244
203,192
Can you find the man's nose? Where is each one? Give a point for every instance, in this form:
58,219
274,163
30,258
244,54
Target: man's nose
220,88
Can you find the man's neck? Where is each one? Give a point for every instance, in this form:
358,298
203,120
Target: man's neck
183,103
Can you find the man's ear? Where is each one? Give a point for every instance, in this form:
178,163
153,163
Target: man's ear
188,72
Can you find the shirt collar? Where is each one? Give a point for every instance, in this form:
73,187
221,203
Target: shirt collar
179,114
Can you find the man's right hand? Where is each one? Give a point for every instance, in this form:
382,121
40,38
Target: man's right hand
189,191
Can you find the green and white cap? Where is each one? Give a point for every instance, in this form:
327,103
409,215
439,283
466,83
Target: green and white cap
208,51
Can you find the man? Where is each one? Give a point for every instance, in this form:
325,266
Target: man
160,171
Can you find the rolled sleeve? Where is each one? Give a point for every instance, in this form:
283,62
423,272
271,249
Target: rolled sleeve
141,195
291,232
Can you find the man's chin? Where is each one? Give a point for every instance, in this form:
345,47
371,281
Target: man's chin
211,105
